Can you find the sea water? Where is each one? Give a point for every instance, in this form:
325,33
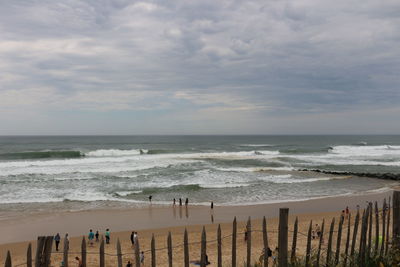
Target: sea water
86,172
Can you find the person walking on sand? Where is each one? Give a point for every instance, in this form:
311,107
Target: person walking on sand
174,202
142,258
180,201
97,236
91,237
108,235
57,239
186,202
212,205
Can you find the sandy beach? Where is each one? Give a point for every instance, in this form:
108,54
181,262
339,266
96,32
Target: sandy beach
158,220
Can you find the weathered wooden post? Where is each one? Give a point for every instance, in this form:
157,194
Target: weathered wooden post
65,250
388,227
47,251
83,252
354,240
153,251
294,242
186,248
369,229
119,253
329,250
248,230
137,252
29,256
339,240
203,252
361,250
376,229
265,239
234,232
39,251
219,240
283,237
346,251
101,251
396,219
321,238
8,262
169,245
308,249
382,250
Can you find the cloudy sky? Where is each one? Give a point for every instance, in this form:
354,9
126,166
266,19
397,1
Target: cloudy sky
199,67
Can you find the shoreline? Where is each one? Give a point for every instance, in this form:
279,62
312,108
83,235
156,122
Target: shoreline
77,223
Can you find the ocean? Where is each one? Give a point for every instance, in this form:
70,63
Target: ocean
41,173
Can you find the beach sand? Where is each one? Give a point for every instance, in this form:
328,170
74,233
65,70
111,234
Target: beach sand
16,232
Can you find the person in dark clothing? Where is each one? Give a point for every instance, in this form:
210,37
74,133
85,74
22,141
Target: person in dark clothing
187,201
129,264
174,201
150,198
133,238
97,236
212,205
180,201
57,239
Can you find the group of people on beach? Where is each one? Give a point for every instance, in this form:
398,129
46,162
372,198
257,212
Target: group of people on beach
180,201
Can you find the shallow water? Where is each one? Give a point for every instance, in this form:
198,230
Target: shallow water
73,173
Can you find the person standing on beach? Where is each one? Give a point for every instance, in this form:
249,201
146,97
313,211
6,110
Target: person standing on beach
212,205
79,261
142,258
107,234
67,241
91,237
133,238
57,239
174,202
129,264
180,201
97,236
347,212
186,202
150,198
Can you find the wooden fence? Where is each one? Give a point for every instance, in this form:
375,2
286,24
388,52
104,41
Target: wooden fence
361,241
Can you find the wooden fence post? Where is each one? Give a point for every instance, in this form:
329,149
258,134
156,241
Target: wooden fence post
308,249
234,232
283,237
47,251
354,240
39,251
83,252
369,229
153,251
137,252
248,230
339,240
219,240
101,251
203,251
29,256
388,227
119,253
376,229
186,248
346,251
169,245
321,238
8,262
265,239
382,250
361,251
294,242
65,250
329,250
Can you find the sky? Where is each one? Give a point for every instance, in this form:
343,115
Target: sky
199,67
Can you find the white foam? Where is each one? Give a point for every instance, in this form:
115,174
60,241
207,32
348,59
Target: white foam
114,152
366,151
256,145
127,193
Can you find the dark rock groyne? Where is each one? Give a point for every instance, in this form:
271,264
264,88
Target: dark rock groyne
386,176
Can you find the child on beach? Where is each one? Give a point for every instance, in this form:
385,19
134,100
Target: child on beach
142,258
107,234
79,261
57,239
91,237
129,264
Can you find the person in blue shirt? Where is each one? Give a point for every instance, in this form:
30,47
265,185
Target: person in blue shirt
57,239
91,237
